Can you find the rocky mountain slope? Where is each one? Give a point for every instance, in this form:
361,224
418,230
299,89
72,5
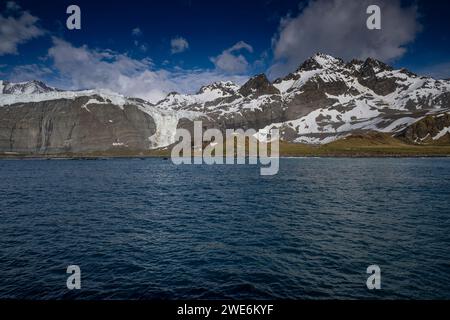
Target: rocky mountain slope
324,100
82,121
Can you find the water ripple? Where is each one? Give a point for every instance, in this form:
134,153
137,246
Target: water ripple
150,229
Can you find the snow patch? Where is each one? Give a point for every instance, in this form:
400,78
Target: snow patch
442,133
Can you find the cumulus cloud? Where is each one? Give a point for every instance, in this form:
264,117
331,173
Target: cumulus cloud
338,27
230,61
178,45
16,27
83,67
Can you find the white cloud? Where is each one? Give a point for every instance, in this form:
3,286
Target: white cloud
136,32
29,72
17,28
83,67
178,45
338,27
230,61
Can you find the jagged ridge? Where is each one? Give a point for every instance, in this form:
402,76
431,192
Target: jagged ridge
323,100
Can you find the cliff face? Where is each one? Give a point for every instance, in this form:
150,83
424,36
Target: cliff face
57,126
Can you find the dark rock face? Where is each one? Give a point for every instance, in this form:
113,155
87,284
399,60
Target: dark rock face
258,86
426,129
64,126
371,64
382,87
305,102
367,77
253,119
308,65
442,100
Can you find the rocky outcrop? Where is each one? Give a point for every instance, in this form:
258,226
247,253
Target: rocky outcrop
258,86
367,76
430,129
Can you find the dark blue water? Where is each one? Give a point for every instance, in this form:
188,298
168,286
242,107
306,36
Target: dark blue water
143,229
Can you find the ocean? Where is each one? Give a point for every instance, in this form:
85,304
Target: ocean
149,229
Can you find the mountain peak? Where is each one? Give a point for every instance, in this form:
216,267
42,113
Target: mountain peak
319,61
258,85
27,87
376,65
226,86
323,57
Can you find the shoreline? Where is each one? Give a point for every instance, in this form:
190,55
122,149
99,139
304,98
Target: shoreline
346,148
111,157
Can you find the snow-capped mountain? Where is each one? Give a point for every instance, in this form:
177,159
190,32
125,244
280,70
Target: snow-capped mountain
204,97
29,87
323,100
58,121
326,98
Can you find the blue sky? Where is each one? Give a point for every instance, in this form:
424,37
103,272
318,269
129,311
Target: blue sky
148,48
